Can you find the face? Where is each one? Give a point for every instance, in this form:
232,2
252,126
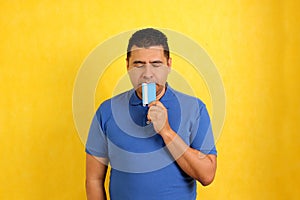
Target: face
146,65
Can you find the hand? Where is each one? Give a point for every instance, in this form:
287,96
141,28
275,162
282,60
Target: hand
158,115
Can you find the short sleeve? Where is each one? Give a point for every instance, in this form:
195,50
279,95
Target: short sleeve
96,144
202,134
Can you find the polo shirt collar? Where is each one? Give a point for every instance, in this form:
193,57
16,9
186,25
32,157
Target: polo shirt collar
134,99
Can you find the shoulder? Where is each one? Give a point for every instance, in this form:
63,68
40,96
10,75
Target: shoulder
106,106
186,99
191,107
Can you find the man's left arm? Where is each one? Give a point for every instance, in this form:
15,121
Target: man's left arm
199,166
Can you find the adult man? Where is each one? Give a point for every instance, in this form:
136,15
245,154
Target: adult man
157,151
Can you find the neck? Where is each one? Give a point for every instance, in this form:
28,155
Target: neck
162,92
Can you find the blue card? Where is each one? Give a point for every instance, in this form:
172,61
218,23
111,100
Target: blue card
148,93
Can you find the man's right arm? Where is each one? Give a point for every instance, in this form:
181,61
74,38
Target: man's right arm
96,169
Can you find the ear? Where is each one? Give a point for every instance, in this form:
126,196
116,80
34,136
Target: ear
169,63
127,64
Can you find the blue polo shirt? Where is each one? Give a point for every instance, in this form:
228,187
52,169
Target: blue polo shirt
141,165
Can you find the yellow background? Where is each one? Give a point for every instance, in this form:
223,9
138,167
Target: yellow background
254,44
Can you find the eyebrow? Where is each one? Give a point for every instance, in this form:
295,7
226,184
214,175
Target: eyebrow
143,62
156,61
139,62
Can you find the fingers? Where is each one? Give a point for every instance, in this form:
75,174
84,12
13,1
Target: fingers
156,103
154,108
152,104
157,114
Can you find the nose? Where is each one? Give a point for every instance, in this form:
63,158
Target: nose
148,73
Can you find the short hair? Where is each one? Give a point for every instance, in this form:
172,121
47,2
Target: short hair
146,38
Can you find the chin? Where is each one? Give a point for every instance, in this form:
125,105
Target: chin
159,89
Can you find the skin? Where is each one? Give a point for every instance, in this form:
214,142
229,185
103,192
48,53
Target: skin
151,65
96,169
147,65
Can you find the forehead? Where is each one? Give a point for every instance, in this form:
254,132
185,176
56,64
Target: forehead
152,52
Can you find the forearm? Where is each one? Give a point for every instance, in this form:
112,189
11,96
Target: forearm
95,190
96,169
194,163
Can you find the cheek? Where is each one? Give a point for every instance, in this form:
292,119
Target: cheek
135,80
162,75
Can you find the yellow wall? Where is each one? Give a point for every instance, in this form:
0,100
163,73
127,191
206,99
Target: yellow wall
254,44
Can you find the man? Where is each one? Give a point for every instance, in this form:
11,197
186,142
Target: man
156,151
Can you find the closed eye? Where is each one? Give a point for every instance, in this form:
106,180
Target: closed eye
139,64
157,63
